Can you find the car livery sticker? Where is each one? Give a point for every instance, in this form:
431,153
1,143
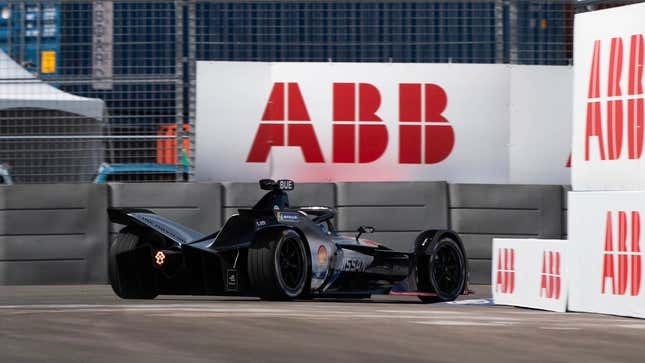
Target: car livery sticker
354,262
320,268
288,217
347,261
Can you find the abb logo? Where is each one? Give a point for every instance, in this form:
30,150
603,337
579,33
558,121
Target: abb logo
610,140
550,278
622,265
359,134
505,271
285,126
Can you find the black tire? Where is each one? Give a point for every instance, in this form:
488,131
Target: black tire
130,267
444,271
278,266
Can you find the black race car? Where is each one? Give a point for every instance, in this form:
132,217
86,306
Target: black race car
278,253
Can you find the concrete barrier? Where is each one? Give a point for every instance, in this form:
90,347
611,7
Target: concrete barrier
196,205
397,210
481,212
71,227
53,234
565,210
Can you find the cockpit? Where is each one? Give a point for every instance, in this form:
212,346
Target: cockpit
322,216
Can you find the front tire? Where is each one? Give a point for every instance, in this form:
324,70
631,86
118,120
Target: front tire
278,266
130,268
444,271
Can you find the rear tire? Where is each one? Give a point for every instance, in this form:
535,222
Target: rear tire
278,266
444,271
130,267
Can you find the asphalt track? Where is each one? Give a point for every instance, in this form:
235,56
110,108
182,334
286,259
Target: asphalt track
89,324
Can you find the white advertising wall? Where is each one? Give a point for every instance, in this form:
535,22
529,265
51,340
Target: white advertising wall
530,273
382,122
540,124
605,236
608,111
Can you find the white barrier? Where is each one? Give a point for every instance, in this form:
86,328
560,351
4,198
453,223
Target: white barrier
608,119
530,273
468,123
606,258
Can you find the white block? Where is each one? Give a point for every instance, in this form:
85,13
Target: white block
320,122
608,119
530,273
605,268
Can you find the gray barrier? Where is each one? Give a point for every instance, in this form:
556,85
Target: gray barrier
245,195
195,205
480,212
59,233
53,234
397,210
565,210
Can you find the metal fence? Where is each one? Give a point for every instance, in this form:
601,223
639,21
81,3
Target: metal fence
89,82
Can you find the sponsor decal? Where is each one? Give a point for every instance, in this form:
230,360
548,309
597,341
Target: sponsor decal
231,280
359,134
354,265
425,136
622,266
505,283
323,256
550,278
622,108
290,128
288,217
260,223
160,258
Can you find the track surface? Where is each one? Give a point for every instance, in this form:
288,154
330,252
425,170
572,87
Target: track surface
89,324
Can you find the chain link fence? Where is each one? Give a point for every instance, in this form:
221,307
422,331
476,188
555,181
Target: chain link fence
104,90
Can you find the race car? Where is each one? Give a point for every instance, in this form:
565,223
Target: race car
276,252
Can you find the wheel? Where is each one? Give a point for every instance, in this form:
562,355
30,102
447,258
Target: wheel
130,268
278,266
444,272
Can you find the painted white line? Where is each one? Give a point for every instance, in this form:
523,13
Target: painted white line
472,302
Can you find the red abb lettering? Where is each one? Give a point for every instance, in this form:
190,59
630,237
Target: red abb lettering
357,125
615,107
505,271
635,127
627,260
424,133
594,128
614,125
298,131
550,279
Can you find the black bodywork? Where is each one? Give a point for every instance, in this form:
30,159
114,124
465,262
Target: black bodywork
184,261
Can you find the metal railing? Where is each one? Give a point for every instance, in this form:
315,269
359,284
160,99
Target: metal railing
85,82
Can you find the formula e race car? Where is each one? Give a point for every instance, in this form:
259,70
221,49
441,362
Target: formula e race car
278,253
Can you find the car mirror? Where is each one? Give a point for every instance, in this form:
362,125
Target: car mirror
267,184
364,229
